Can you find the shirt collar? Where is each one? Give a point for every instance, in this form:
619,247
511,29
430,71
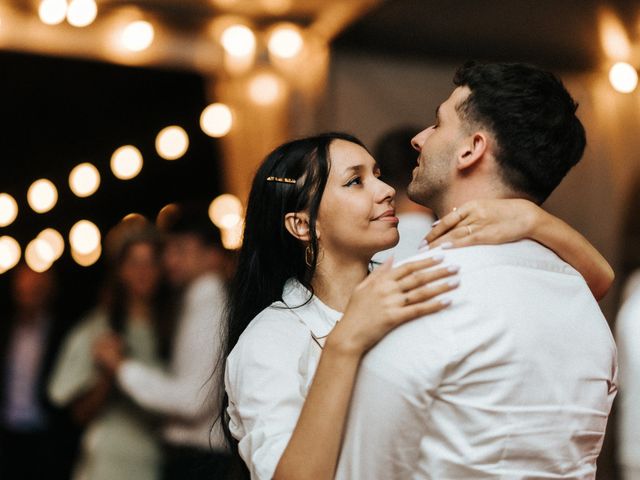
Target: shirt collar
319,317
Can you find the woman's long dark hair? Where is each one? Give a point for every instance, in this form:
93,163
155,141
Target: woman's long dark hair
270,255
116,297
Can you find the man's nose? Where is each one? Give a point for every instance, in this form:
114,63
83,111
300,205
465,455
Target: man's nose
418,140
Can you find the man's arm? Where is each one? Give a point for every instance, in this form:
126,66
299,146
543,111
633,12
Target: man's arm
185,390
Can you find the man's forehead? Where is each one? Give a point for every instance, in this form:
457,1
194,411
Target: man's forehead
458,96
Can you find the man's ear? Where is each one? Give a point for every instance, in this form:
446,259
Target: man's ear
474,148
298,225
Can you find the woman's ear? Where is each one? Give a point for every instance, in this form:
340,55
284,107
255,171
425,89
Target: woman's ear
298,225
474,149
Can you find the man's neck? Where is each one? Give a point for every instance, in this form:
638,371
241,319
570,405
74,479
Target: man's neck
461,193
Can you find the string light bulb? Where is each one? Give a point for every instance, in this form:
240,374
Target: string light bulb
126,162
84,180
52,12
42,195
285,41
216,120
82,13
8,209
172,142
623,77
238,40
137,36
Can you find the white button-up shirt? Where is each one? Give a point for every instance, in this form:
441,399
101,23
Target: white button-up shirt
628,337
269,373
515,380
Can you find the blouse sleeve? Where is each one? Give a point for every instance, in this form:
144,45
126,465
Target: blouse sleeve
74,372
266,389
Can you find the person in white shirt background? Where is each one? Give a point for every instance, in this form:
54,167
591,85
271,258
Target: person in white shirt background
516,380
396,160
628,419
304,308
194,260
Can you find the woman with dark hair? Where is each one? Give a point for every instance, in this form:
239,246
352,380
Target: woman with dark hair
305,306
120,439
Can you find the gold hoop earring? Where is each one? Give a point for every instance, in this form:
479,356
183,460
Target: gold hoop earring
308,256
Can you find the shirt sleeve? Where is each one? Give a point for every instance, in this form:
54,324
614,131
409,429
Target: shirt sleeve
265,391
74,372
184,391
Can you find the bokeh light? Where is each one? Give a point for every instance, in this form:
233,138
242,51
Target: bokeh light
623,77
137,36
172,142
126,162
82,13
8,209
216,120
55,241
38,255
239,41
84,180
232,237
10,253
265,88
226,211
285,41
84,237
87,259
42,195
52,12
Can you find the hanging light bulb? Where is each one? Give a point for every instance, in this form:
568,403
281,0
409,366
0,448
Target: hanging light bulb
8,209
42,195
216,120
172,142
623,77
82,13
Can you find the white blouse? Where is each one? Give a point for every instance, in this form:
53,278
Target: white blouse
269,372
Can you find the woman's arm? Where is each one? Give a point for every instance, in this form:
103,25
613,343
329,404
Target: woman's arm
88,405
499,221
386,299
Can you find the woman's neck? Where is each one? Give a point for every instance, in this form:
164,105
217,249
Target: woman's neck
336,278
139,310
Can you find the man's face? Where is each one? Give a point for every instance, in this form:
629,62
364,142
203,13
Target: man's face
437,146
185,257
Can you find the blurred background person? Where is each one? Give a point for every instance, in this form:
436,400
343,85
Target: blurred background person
36,440
397,159
194,260
120,441
628,341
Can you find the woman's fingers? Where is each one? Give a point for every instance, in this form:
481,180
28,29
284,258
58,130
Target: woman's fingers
402,271
448,222
423,277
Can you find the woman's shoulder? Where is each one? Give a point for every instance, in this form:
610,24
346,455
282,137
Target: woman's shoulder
275,331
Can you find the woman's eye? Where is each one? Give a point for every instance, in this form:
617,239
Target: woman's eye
354,181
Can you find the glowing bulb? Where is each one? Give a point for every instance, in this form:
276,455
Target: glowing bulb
9,253
38,255
8,209
55,241
623,77
126,162
82,12
87,259
226,211
84,180
285,41
264,89
42,195
216,120
172,143
52,12
232,237
239,41
84,237
137,36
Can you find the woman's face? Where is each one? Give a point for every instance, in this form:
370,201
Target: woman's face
140,271
356,215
